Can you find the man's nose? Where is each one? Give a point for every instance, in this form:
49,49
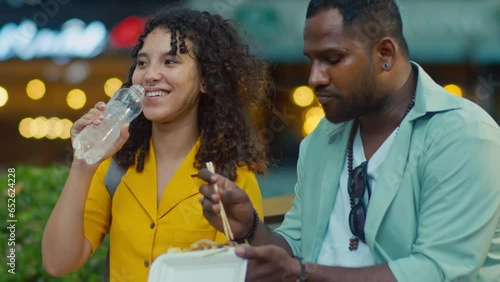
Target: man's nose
319,75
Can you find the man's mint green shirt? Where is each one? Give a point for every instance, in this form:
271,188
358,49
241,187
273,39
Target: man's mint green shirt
435,215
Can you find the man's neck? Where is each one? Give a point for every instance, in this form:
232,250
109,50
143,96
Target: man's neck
376,127
391,113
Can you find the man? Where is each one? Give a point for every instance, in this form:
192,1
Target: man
399,182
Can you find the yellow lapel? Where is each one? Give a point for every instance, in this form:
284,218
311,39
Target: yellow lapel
143,184
182,185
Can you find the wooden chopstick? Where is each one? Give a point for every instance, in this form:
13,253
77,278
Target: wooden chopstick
225,221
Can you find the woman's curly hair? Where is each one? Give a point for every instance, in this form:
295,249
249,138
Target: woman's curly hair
236,83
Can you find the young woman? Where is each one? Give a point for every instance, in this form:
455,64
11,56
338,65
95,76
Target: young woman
201,86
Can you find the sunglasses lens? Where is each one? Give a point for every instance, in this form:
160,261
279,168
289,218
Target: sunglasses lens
357,186
356,183
357,219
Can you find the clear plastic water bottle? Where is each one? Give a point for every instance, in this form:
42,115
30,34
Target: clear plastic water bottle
94,141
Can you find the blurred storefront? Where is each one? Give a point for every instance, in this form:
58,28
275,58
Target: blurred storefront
58,58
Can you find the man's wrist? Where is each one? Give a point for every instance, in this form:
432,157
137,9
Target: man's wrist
248,238
301,270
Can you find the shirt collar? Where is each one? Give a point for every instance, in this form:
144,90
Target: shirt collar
429,96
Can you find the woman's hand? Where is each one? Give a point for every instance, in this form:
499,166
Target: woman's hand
95,117
237,205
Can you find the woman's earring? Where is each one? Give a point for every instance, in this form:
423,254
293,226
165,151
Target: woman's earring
386,66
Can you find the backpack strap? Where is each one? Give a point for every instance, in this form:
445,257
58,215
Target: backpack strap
111,180
113,177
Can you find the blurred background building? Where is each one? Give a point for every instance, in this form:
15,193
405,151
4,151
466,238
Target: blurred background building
59,57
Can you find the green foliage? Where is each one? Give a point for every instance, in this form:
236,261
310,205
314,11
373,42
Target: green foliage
37,191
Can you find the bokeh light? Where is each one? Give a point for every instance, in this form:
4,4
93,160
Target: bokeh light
67,124
76,99
454,89
303,96
312,116
41,127
35,89
112,85
25,127
55,128
4,96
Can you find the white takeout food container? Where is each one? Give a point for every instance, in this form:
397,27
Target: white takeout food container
213,265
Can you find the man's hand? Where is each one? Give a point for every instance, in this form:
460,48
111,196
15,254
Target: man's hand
269,263
238,207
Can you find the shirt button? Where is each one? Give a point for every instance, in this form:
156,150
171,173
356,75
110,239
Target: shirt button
152,225
146,263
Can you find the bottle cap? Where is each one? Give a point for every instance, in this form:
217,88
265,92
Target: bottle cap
139,90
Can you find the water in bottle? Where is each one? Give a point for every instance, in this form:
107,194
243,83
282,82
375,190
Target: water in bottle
94,141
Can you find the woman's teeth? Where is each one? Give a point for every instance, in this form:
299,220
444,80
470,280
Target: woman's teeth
156,93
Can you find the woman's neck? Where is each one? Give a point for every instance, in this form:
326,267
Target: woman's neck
174,140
